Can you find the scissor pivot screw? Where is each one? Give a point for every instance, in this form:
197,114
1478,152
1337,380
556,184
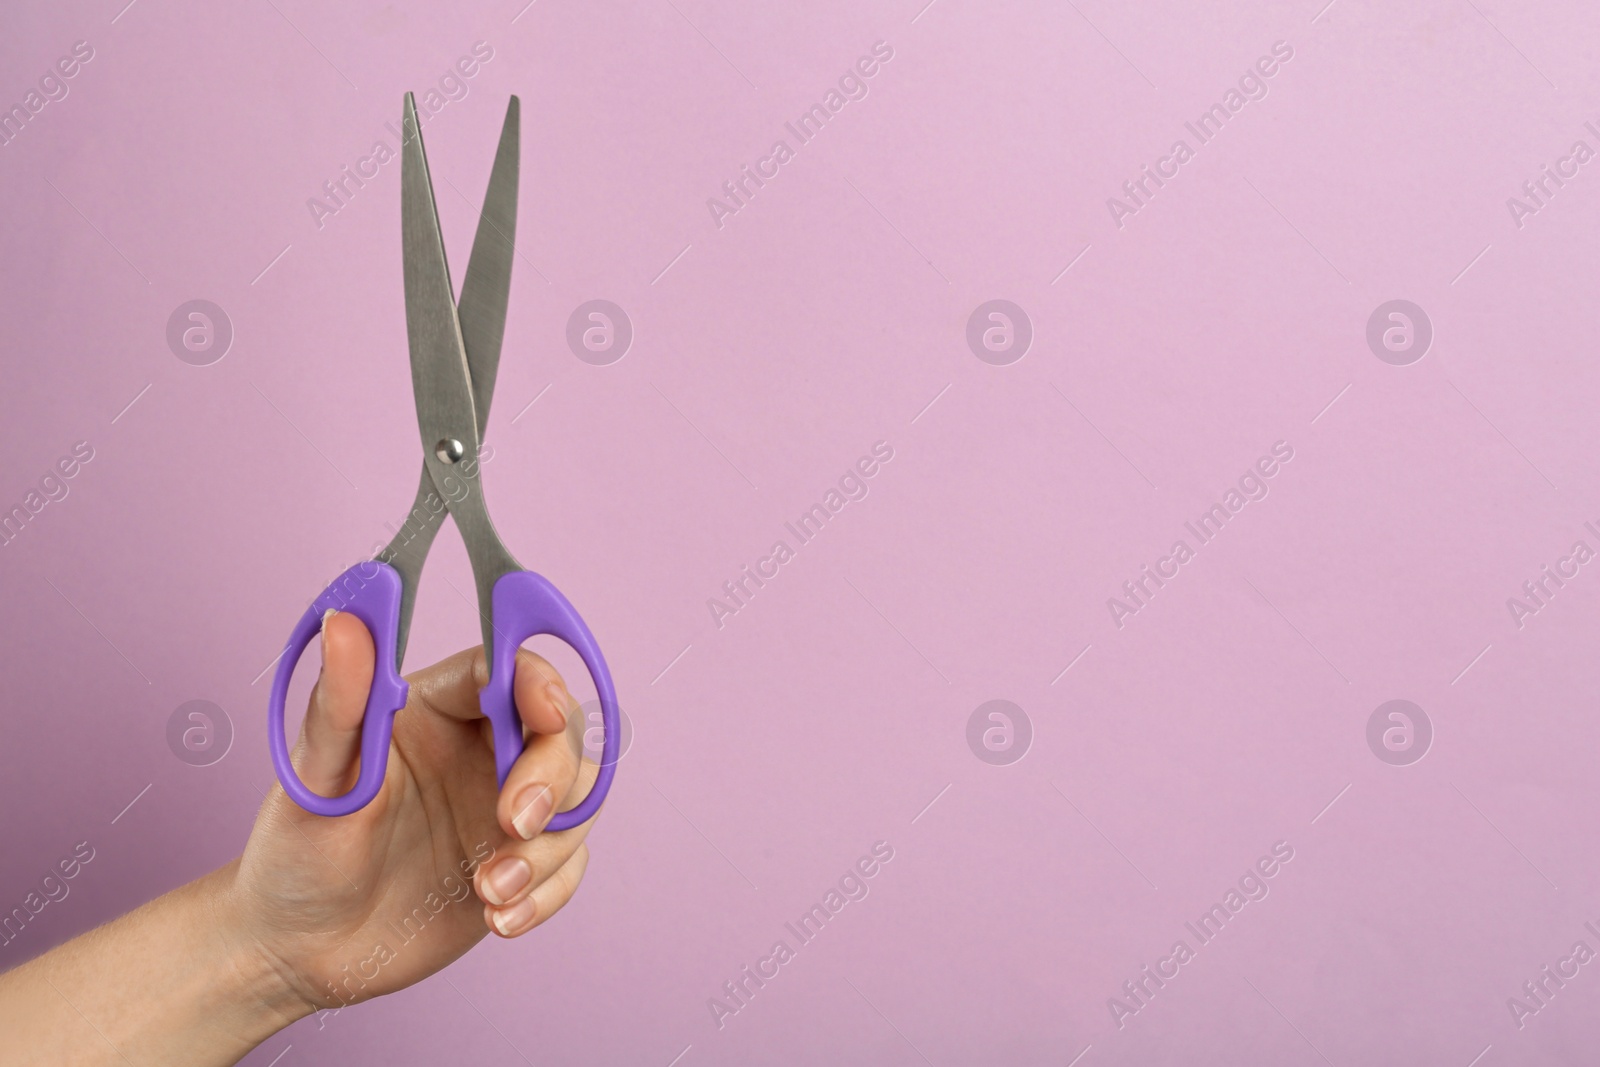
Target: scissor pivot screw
450,450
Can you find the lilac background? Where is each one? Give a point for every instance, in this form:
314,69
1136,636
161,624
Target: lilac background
1228,314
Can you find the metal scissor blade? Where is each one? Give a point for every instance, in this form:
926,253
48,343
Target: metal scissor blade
440,379
485,293
486,289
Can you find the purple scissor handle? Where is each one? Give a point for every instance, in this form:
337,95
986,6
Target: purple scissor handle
455,354
525,605
371,592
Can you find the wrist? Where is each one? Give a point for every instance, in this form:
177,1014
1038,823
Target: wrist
179,980
255,989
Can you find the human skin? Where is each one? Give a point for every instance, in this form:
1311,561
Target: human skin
207,972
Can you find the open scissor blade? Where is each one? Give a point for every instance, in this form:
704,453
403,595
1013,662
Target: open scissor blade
440,380
437,335
486,289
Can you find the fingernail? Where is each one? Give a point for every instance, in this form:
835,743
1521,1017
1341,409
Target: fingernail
326,615
513,920
533,808
559,700
505,879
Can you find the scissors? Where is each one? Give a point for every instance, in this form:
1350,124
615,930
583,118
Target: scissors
455,353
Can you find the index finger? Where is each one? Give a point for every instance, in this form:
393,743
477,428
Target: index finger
450,688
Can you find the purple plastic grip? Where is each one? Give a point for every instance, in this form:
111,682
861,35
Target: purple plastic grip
371,592
525,605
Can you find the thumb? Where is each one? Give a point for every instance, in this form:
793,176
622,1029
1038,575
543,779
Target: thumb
330,738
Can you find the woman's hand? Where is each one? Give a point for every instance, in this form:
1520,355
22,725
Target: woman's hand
349,908
319,913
